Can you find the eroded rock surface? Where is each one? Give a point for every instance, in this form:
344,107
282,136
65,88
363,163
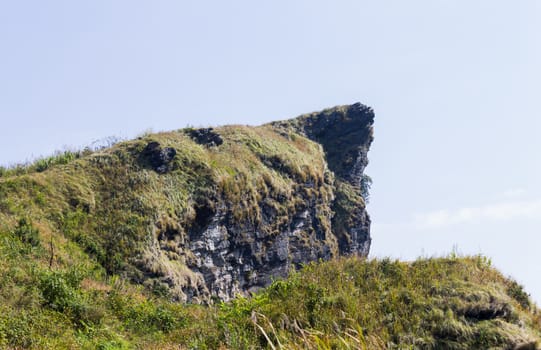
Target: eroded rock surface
206,136
240,245
159,158
346,133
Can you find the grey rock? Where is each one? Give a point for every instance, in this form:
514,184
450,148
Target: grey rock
159,158
206,136
225,256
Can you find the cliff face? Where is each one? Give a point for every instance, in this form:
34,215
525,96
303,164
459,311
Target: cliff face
327,219
209,213
345,134
97,248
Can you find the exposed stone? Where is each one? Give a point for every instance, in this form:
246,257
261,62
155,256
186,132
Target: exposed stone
206,136
236,258
159,158
226,252
346,134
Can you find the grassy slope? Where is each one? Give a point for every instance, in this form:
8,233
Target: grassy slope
94,213
106,207
447,303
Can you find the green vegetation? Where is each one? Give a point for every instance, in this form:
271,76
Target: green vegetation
446,303
27,233
79,267
44,163
58,158
438,303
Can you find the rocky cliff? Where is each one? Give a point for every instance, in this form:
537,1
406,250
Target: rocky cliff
101,249
198,214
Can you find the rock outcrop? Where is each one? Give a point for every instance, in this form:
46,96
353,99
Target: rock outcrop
328,217
206,136
346,134
159,158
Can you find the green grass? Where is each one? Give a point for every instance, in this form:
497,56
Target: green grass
444,303
438,303
43,163
349,303
108,205
79,267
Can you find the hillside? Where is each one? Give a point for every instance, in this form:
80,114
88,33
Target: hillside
182,238
438,303
203,213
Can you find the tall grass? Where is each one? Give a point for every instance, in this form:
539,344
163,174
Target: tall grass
63,157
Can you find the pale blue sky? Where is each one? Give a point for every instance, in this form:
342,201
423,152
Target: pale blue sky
455,85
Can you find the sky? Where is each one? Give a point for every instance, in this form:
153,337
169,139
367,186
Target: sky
455,85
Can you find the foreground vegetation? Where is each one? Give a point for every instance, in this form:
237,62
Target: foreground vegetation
350,303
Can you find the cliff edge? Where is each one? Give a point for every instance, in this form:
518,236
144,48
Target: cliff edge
203,214
114,248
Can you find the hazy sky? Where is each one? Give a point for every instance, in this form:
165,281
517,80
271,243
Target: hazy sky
455,86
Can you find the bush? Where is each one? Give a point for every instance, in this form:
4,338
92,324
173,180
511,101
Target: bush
27,233
147,316
16,331
59,292
516,291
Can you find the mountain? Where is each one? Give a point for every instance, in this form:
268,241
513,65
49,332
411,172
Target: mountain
194,238
208,213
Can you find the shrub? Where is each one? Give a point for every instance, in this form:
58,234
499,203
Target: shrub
516,291
16,331
147,316
59,291
27,233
